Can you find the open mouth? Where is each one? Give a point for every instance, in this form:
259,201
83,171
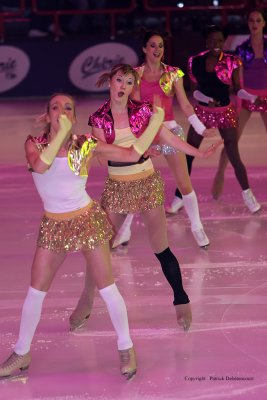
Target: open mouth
120,94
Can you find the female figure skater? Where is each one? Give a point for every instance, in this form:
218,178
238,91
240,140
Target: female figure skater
165,82
72,221
253,53
214,72
136,187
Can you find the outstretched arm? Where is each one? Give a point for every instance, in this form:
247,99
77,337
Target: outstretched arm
166,137
115,153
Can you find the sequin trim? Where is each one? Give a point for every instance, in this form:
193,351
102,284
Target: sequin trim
80,153
224,67
225,117
139,115
169,76
262,107
167,80
166,149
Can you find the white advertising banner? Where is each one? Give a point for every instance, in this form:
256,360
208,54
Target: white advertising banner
96,60
14,67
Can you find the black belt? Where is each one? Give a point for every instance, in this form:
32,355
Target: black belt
141,160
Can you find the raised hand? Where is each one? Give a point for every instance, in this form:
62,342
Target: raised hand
64,123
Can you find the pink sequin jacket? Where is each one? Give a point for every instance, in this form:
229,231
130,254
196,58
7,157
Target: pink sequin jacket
139,115
224,67
215,84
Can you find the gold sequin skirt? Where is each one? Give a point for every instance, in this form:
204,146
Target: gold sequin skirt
217,117
133,196
82,229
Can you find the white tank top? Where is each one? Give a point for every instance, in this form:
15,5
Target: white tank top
60,189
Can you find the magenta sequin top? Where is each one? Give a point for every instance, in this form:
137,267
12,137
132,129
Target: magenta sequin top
164,88
139,115
223,69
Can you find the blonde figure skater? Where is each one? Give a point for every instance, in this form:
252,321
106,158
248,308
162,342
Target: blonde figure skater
72,221
136,187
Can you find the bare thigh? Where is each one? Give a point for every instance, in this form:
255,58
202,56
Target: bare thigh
44,268
116,220
178,165
156,225
98,263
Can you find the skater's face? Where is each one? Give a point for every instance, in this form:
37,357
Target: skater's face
215,42
256,23
154,49
58,105
121,85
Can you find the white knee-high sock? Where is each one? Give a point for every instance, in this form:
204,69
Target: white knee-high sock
30,317
118,315
192,210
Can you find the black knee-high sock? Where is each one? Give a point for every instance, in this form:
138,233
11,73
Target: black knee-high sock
172,272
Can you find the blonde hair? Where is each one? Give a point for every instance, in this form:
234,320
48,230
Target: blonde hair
124,68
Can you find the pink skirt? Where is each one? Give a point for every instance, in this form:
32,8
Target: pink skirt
262,107
217,117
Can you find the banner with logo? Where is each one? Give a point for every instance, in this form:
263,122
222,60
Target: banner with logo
41,67
92,62
14,67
